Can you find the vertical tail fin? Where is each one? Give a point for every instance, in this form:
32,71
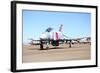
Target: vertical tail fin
60,28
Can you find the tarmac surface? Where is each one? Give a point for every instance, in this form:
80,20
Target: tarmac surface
31,53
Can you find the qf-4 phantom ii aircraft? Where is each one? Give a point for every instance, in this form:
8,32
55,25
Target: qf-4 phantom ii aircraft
50,36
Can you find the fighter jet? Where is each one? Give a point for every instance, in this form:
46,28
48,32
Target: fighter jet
53,37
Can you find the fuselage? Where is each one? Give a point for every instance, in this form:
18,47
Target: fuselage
55,36
52,34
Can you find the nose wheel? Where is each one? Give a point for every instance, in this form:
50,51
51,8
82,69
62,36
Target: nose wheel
41,45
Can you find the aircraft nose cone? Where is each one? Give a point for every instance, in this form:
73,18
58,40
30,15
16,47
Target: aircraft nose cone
44,36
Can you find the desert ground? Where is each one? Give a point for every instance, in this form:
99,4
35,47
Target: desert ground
31,53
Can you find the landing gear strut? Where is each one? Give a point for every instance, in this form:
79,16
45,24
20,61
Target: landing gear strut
41,45
70,42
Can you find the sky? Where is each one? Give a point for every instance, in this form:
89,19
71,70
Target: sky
75,24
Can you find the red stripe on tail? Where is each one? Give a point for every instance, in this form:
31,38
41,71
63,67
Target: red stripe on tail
56,36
